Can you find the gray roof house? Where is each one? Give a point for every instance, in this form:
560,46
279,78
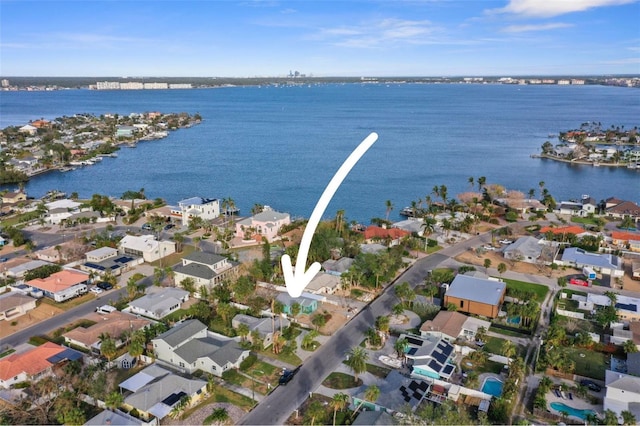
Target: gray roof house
337,267
530,250
114,418
189,346
156,391
605,263
263,326
205,269
159,302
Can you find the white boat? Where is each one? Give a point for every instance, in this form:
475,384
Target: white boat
390,361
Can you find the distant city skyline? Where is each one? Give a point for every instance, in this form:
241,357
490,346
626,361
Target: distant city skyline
264,38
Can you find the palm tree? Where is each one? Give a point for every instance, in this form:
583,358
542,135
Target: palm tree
243,331
389,206
481,182
508,350
481,334
219,415
339,402
401,346
315,410
628,418
357,360
471,182
502,268
371,394
136,347
541,185
114,400
610,417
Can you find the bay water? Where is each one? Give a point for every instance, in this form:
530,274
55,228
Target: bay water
280,145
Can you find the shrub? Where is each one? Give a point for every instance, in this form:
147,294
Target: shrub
248,362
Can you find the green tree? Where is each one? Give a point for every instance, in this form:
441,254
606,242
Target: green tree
295,309
610,418
136,347
628,418
401,346
107,347
339,402
371,394
315,411
487,264
502,268
114,400
508,349
243,331
630,347
357,360
219,415
319,320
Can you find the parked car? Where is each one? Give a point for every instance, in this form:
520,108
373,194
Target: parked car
146,227
578,281
96,290
591,385
4,259
104,285
168,226
488,247
287,375
506,242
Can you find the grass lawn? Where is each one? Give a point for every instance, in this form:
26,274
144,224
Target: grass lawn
338,380
292,359
509,332
486,367
539,290
592,364
173,258
69,304
377,371
494,345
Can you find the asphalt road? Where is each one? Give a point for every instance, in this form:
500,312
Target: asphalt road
284,400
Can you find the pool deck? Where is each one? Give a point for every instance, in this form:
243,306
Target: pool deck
577,403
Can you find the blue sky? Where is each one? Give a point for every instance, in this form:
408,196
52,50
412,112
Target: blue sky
320,38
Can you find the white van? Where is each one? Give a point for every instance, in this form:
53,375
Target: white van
105,309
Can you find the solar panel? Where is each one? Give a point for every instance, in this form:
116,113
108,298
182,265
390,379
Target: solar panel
173,398
442,358
417,395
94,266
434,365
412,351
447,351
448,369
407,398
413,386
413,341
423,386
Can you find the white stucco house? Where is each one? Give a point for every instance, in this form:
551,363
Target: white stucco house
146,247
189,346
159,302
204,208
622,394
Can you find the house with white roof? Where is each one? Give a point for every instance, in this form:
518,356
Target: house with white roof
20,270
605,263
622,393
266,224
204,208
159,302
323,283
205,269
146,247
189,346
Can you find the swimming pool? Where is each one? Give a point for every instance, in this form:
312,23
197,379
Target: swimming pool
492,386
581,414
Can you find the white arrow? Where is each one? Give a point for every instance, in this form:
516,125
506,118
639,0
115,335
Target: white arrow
298,280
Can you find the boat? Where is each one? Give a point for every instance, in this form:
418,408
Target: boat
67,169
390,361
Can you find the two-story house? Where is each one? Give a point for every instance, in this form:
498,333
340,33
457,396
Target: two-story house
205,269
266,224
189,346
204,208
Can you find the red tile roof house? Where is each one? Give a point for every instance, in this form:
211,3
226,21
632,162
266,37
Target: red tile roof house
391,235
62,285
33,364
626,240
575,230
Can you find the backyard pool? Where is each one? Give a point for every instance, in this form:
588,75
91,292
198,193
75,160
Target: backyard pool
581,414
492,386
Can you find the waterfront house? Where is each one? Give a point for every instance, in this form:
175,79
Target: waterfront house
146,247
115,324
604,263
389,236
263,326
125,131
624,209
28,129
63,285
204,208
307,304
205,269
450,325
14,304
189,346
34,364
155,391
60,210
159,302
265,224
475,295
576,230
622,393
14,197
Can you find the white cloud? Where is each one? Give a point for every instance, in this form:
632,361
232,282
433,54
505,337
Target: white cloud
540,27
550,8
380,33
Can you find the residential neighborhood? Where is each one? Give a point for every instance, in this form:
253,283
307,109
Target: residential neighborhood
498,313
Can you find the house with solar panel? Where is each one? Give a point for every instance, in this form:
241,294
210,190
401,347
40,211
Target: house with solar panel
189,346
155,391
204,208
108,259
34,364
429,357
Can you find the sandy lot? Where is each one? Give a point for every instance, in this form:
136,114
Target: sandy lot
41,312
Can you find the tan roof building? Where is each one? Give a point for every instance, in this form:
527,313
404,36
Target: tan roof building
451,325
114,324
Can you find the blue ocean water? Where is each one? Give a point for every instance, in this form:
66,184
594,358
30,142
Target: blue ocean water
281,145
